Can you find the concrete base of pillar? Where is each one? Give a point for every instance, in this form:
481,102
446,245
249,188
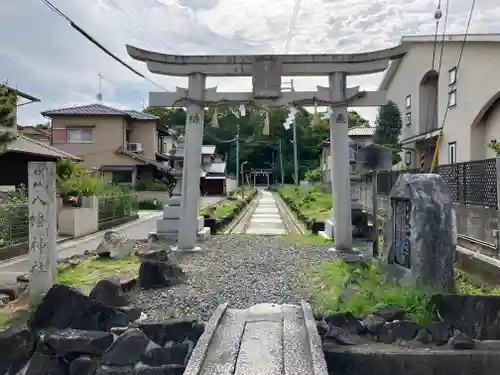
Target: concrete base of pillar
202,234
170,225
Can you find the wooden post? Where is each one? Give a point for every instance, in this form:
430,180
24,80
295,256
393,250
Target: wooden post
42,213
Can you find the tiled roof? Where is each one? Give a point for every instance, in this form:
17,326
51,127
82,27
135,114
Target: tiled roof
207,150
28,145
361,130
217,167
98,110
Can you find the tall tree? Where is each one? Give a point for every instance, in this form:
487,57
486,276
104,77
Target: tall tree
355,119
8,103
388,129
257,149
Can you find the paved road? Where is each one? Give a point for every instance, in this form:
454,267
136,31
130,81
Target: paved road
137,229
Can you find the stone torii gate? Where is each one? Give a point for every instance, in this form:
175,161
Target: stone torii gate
266,72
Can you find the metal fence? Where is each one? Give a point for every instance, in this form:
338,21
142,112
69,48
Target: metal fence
112,207
473,182
14,224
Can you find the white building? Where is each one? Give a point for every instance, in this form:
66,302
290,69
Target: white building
465,100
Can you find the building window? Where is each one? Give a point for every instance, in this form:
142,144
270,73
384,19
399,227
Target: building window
408,158
79,135
452,98
408,101
408,119
122,177
452,76
452,152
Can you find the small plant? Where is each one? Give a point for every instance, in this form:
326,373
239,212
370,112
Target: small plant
494,146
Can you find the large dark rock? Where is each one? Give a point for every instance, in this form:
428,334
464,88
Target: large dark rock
461,341
439,331
43,364
177,354
342,336
13,290
16,346
390,314
398,330
84,365
127,349
153,274
109,291
173,330
74,341
132,313
346,321
478,316
65,307
373,323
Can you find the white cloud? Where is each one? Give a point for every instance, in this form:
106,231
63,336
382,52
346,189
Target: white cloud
42,55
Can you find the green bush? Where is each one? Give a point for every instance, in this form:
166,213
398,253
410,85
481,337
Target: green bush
154,185
311,201
14,218
116,206
150,204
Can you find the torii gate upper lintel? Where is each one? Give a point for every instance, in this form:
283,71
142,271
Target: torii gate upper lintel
266,72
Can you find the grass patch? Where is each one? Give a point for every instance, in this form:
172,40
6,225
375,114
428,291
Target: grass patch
82,276
220,209
369,290
90,270
307,239
311,201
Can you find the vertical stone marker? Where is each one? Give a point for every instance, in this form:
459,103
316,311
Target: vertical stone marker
421,234
42,208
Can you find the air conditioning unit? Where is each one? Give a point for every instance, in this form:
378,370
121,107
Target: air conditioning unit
134,147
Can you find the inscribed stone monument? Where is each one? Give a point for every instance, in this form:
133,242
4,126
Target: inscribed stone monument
420,235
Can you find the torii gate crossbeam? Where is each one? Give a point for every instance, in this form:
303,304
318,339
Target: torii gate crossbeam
266,72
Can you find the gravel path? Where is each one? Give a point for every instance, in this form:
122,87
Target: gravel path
240,269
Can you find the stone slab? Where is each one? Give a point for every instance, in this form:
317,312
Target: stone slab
420,236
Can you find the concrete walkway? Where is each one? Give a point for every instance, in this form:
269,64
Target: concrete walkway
266,218
138,229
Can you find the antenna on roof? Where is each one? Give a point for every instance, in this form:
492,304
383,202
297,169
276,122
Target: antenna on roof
99,94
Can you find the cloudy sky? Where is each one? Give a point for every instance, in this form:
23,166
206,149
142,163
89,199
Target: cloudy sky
43,56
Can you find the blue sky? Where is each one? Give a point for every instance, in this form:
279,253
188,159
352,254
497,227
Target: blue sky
43,56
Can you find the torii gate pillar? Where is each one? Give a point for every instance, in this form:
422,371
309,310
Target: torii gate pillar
188,227
339,151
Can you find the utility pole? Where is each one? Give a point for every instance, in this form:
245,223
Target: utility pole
99,94
238,155
295,154
281,166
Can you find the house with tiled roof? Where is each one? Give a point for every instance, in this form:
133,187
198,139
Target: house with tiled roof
125,145
359,137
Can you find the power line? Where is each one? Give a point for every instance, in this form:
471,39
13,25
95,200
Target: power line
293,25
96,43
462,47
131,19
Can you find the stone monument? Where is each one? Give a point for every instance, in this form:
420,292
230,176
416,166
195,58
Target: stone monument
420,235
42,213
168,225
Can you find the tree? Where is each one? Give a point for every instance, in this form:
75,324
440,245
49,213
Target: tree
258,150
355,119
8,106
388,129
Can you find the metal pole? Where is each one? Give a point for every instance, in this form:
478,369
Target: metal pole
295,154
374,214
238,155
281,166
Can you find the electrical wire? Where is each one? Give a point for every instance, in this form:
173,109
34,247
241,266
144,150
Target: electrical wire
293,25
99,45
462,47
131,19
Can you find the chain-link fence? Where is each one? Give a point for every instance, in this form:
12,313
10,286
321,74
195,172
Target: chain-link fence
113,207
14,224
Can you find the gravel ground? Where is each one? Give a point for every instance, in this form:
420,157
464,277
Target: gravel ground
240,269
